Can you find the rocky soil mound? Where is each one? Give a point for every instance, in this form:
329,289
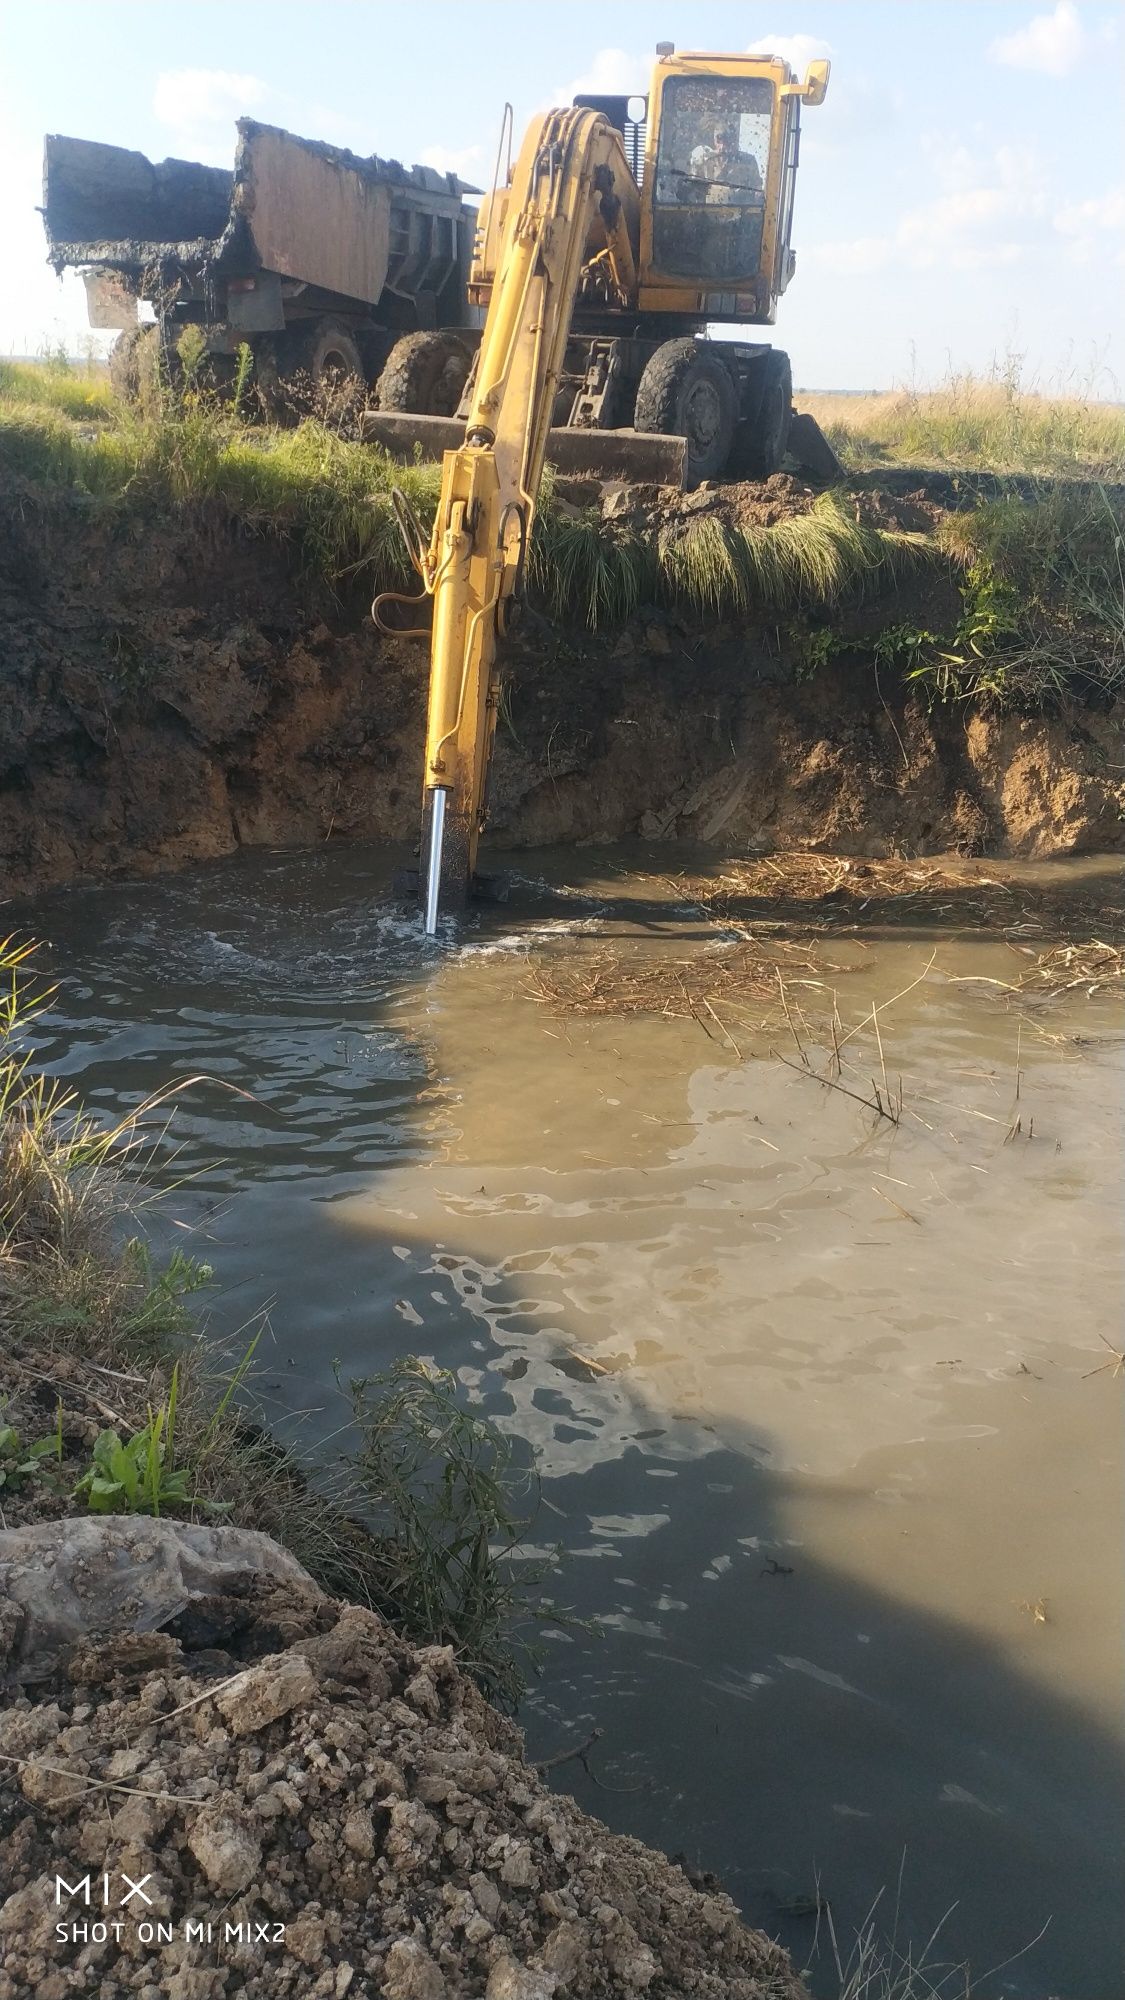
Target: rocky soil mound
311,1807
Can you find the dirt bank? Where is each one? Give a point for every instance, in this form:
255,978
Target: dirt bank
173,690
336,1812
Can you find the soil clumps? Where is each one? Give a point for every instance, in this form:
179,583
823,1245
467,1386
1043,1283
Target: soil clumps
343,1814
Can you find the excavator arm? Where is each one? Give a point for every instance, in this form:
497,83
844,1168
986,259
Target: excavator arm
570,176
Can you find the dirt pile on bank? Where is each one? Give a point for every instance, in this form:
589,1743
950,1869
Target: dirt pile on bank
174,689
341,1815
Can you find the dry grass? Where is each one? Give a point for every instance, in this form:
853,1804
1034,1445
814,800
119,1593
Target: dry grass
764,924
801,877
984,423
700,988
1090,967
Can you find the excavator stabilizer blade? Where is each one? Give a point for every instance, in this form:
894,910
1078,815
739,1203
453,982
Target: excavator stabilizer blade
408,437
644,458
811,449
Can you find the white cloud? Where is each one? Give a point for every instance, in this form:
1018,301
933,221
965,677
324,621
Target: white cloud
1101,211
797,50
991,212
611,73
1054,43
467,161
200,105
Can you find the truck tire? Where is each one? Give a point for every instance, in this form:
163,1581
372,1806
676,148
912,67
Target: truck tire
133,362
329,353
425,375
687,391
762,440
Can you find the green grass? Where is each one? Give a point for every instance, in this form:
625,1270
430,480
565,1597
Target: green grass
57,385
1043,594
332,499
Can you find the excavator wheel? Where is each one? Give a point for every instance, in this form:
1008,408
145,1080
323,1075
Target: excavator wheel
424,375
688,391
762,440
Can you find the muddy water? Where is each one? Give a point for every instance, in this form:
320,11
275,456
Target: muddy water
818,1401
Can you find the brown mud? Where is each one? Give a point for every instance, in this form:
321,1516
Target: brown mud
174,690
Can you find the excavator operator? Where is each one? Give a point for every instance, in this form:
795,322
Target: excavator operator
732,173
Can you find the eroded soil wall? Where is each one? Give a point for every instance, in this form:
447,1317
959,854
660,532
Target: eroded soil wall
172,689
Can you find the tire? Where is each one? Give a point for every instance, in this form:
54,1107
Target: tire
687,391
330,354
133,362
763,439
425,375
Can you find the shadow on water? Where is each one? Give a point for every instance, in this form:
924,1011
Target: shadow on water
764,1715
773,1718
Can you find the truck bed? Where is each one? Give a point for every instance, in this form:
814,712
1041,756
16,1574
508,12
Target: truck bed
308,212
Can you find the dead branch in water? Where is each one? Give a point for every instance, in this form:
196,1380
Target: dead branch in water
891,1111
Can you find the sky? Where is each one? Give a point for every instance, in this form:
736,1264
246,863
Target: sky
961,199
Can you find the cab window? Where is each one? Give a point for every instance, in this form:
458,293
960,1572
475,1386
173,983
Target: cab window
714,141
711,168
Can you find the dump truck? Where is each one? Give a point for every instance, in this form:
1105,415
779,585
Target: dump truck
613,246
318,260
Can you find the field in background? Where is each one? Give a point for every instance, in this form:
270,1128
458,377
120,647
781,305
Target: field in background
980,423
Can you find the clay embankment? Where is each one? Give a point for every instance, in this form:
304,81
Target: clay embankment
172,690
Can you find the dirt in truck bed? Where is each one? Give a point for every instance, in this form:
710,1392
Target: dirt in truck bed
174,690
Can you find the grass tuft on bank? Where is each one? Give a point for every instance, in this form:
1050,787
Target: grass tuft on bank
332,499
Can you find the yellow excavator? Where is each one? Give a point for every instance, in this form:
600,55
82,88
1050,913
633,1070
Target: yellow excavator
616,243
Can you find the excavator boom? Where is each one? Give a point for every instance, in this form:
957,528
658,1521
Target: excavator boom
571,170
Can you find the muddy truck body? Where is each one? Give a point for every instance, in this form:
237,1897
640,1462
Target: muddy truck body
316,259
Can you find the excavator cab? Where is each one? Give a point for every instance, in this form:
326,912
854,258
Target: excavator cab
716,145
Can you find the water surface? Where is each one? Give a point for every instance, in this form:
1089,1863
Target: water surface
819,1402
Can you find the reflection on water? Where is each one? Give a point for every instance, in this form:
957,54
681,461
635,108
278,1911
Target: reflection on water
817,1400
